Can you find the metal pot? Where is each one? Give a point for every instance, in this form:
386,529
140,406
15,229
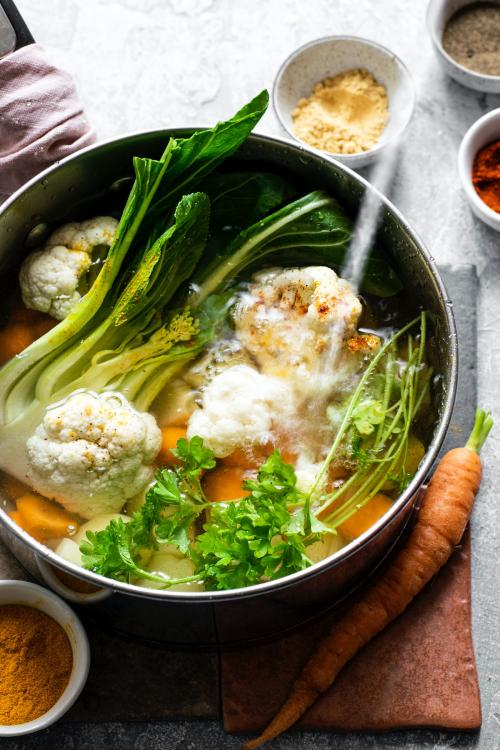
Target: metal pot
91,182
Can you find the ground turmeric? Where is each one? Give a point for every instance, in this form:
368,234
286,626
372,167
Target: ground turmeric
35,663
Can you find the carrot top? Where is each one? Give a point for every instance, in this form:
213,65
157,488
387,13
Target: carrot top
482,426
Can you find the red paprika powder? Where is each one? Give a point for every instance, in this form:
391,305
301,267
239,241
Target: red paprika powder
486,175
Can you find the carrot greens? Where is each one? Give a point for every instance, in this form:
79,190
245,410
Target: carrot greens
375,433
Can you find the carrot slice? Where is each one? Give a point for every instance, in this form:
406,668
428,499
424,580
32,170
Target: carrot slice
241,458
24,327
225,483
169,438
366,516
42,519
14,339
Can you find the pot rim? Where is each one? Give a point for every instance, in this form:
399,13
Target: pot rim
398,506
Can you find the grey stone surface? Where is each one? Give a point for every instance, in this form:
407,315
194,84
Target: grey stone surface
148,63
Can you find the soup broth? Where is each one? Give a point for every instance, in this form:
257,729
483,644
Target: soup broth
191,397
304,411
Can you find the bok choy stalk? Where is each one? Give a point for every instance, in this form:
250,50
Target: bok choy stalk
158,186
119,327
91,452
313,229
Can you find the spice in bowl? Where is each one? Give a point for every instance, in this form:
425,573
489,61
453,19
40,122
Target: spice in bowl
472,38
36,661
486,175
345,114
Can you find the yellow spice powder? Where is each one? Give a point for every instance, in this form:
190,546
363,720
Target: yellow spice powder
345,114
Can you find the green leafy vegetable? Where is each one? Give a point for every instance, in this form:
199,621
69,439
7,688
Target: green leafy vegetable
313,228
113,553
145,223
367,414
195,157
239,199
261,537
377,433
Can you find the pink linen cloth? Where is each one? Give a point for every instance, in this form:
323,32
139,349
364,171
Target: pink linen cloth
41,117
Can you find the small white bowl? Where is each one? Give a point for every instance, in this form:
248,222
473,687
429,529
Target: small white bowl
484,131
331,55
438,14
22,592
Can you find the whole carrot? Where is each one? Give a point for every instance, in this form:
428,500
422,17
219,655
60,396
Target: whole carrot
441,522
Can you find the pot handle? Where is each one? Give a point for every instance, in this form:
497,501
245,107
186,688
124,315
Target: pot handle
14,32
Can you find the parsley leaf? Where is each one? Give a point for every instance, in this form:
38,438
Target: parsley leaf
171,506
113,552
367,414
259,537
194,456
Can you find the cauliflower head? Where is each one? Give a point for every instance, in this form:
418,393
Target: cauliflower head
51,279
240,407
92,452
295,322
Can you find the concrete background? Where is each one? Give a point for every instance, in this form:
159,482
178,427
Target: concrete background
148,63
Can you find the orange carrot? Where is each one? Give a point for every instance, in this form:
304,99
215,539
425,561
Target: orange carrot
254,456
13,339
41,518
365,517
24,327
225,483
441,522
240,458
169,438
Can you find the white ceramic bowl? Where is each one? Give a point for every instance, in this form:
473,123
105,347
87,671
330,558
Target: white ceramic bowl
331,55
438,14
22,592
484,131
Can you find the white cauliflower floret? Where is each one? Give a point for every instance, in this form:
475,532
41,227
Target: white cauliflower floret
92,452
240,407
295,321
306,471
50,278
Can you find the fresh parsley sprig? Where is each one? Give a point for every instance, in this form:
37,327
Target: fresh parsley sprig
261,537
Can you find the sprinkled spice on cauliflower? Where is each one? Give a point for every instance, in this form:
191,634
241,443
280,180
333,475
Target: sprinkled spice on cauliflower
54,279
294,321
92,452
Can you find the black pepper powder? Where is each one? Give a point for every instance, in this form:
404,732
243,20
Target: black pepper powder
472,38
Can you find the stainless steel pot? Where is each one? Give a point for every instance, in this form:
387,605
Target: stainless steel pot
92,181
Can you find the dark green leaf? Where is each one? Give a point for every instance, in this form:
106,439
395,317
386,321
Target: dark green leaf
167,264
195,157
312,229
239,199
